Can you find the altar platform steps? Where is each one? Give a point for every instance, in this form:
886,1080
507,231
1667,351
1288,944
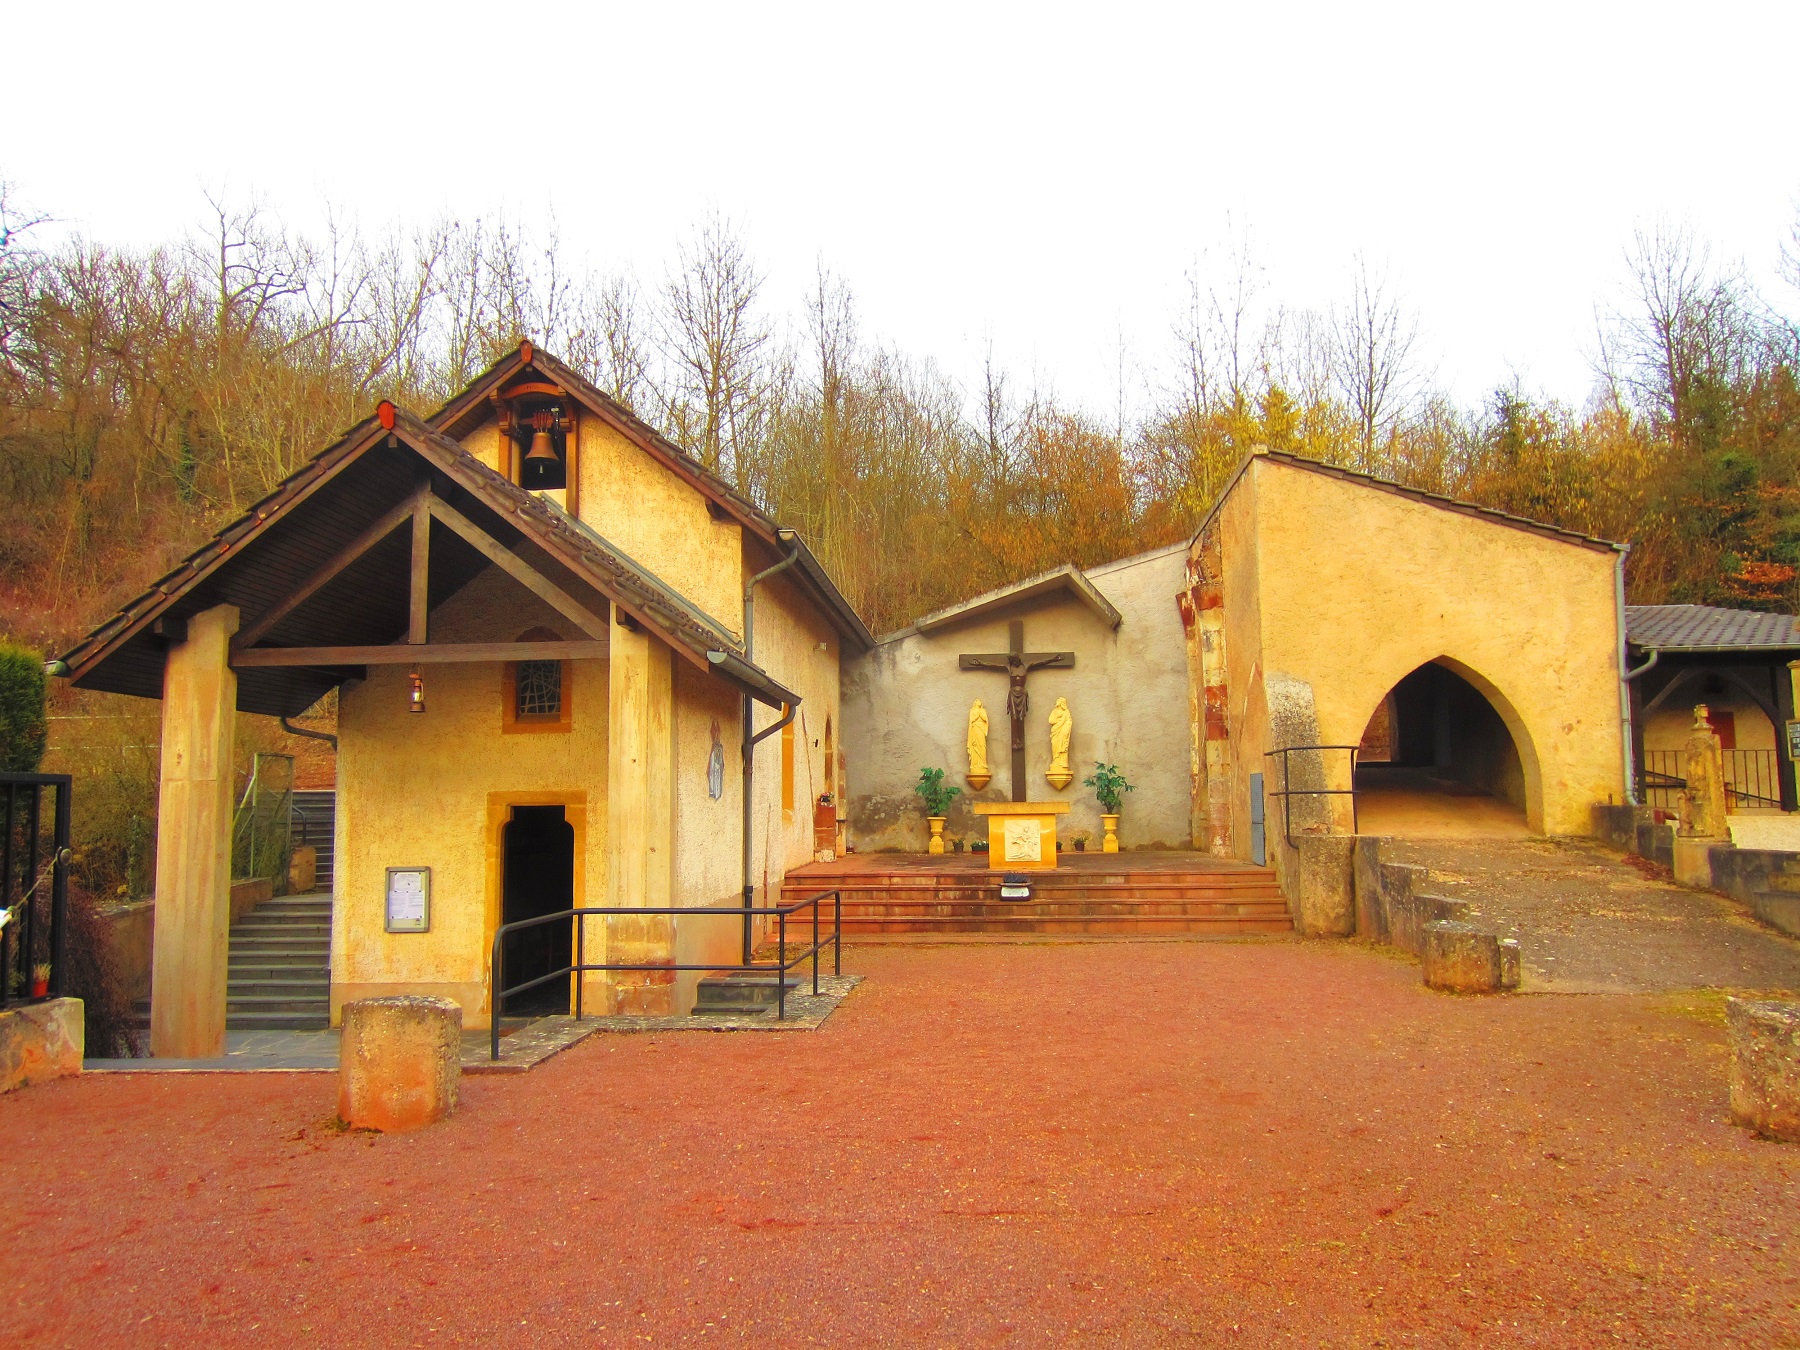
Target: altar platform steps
1146,895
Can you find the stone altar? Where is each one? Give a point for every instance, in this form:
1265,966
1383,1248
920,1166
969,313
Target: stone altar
1021,835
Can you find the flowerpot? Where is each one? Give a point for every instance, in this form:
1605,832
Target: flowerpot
1081,846
937,834
40,988
1111,825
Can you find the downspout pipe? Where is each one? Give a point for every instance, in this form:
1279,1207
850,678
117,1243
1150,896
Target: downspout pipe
752,736
1627,751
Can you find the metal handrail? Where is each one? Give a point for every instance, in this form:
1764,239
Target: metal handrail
580,965
1287,794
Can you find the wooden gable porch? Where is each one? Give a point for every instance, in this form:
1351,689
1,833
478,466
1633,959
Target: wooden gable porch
339,572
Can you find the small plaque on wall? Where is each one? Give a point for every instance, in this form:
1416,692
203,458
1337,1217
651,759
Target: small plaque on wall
409,899
1793,733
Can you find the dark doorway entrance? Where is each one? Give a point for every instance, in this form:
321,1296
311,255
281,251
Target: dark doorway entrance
1437,759
538,861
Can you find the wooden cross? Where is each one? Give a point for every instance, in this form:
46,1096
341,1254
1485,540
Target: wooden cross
1017,663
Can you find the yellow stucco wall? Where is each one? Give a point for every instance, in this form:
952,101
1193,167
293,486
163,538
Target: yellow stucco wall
795,645
1336,590
661,522
430,790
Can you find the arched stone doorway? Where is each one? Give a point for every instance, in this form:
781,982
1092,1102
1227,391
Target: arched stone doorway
1444,755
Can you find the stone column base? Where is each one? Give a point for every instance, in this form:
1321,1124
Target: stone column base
1693,860
1765,1067
41,1041
400,1062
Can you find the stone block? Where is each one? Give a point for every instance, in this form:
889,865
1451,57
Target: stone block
1460,958
1765,1066
1325,905
1693,860
1778,909
303,870
1511,964
41,1041
399,1062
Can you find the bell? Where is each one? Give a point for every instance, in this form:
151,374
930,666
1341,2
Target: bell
541,449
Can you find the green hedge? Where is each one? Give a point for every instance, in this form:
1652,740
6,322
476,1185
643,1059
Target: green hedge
23,729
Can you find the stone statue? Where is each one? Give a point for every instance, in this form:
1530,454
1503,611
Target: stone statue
978,741
1062,726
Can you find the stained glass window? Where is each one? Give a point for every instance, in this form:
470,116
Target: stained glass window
540,689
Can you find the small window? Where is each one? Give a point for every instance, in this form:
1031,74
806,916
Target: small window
535,695
538,690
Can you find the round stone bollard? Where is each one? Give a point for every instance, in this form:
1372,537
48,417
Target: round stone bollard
1460,958
1765,1066
399,1062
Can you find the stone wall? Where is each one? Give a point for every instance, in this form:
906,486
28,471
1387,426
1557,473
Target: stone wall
906,707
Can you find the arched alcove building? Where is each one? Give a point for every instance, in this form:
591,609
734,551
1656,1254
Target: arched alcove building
1322,603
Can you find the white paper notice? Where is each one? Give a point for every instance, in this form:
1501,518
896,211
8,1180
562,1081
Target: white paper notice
406,900
1024,840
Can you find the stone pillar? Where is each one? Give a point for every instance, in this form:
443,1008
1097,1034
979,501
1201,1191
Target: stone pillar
640,796
193,842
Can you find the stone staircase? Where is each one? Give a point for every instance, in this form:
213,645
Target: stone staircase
1120,895
279,968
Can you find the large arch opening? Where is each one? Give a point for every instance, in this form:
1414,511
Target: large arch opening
1438,759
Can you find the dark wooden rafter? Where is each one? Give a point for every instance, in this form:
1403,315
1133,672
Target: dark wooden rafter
433,653
484,543
418,597
338,561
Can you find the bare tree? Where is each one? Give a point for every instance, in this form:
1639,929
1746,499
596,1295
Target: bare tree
1372,342
715,339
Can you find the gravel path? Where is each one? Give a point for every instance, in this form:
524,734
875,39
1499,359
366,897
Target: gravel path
1255,1143
1591,921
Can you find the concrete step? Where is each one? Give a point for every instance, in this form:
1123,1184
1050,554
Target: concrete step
738,995
282,942
280,1021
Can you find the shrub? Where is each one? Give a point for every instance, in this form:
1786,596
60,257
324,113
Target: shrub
23,729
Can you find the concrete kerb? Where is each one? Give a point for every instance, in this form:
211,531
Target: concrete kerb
1765,1067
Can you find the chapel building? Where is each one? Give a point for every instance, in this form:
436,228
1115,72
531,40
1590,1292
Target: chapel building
557,639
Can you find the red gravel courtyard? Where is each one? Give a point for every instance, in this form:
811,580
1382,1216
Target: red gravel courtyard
1251,1143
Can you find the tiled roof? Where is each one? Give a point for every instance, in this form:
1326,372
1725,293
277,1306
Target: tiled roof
1708,628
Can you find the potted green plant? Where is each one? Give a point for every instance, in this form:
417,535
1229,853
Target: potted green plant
937,797
1110,788
1081,842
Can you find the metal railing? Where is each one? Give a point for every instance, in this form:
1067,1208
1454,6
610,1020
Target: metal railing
1287,793
1752,779
34,886
262,825
580,964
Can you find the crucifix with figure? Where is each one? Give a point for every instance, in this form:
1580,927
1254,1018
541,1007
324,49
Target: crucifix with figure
1017,663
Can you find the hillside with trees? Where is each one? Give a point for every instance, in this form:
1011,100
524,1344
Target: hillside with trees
147,396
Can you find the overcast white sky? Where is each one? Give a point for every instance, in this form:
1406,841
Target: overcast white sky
1039,174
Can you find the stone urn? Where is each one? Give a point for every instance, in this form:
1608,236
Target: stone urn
1111,825
937,833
